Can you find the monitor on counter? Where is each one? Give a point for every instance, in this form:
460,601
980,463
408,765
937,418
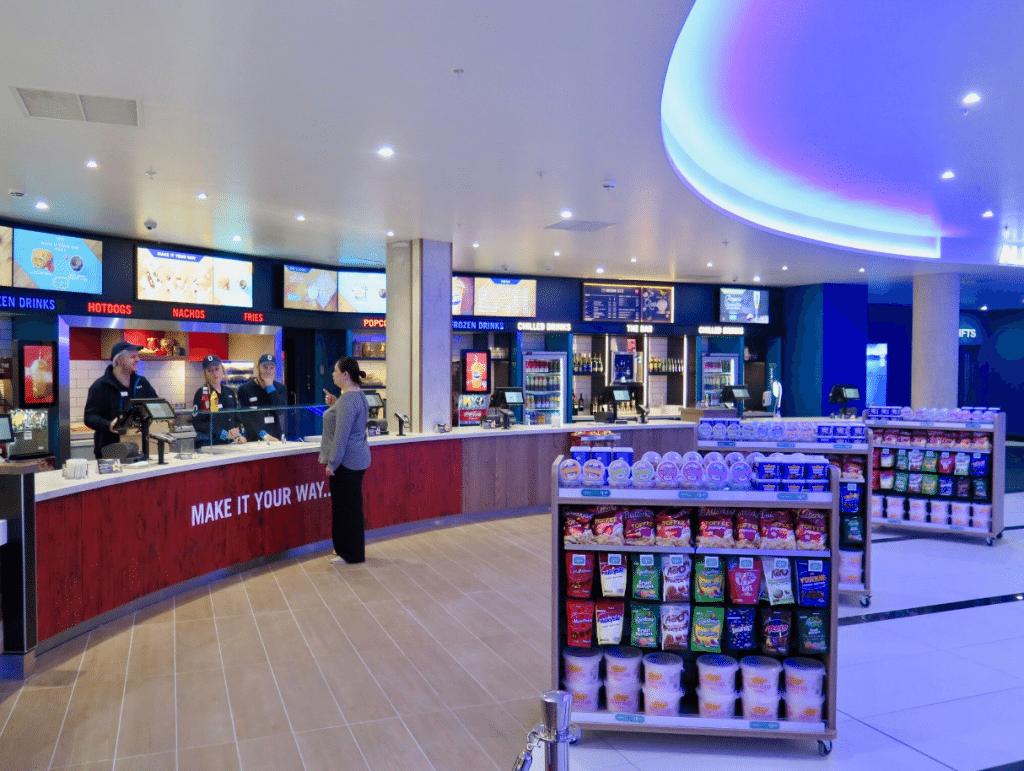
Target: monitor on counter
620,394
844,393
742,306
154,409
734,393
6,429
511,397
373,400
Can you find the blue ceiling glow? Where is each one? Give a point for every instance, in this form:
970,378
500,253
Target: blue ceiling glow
737,117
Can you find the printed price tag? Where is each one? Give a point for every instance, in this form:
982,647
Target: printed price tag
815,566
843,446
626,718
747,562
726,444
614,559
579,560
792,496
692,494
781,563
596,493
109,466
676,559
786,444
758,725
711,561
647,560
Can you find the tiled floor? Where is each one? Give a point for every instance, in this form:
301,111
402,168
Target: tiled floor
433,656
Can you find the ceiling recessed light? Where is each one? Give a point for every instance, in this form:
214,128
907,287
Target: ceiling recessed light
476,244
948,175
42,205
300,217
558,254
202,196
600,270
711,264
785,267
632,259
236,238
988,213
757,278
91,164
566,214
860,270
984,307
390,233
971,98
385,151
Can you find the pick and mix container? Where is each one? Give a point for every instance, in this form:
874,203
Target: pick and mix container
622,664
717,674
584,694
804,708
659,701
716,704
582,664
804,677
663,670
622,696
760,706
760,675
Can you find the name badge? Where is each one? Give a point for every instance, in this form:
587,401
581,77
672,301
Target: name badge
252,399
124,393
268,419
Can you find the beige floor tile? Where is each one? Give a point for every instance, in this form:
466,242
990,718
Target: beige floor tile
455,685
152,651
307,697
159,612
330,749
443,626
333,588
30,735
365,585
499,679
10,692
240,643
59,666
265,595
196,645
255,702
219,757
320,630
475,617
204,714
526,712
496,731
510,613
270,753
299,591
98,765
360,626
532,666
89,731
387,745
229,599
316,562
397,582
356,690
281,636
161,761
447,743
406,688
147,717
193,605
107,653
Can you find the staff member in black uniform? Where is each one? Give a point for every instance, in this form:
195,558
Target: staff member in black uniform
210,427
109,395
259,393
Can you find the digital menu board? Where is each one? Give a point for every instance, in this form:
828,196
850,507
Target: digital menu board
179,277
57,263
6,256
362,292
310,289
476,370
749,306
462,296
627,302
505,297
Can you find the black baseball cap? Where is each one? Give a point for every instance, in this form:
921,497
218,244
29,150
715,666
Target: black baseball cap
121,347
211,361
267,358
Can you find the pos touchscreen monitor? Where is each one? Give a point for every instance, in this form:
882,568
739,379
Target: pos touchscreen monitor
373,400
513,396
6,429
621,394
154,409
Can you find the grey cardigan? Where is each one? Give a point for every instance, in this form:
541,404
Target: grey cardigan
343,441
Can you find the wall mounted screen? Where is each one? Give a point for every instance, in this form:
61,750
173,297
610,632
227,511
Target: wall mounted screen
180,277
505,297
56,263
628,302
362,292
745,306
310,289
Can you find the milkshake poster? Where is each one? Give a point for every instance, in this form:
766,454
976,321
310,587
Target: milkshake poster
37,374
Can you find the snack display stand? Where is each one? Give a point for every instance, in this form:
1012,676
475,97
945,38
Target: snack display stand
688,721
863,450
930,515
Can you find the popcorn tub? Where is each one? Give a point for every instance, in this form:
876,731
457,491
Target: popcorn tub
804,677
715,704
621,696
760,675
584,695
663,670
582,664
717,674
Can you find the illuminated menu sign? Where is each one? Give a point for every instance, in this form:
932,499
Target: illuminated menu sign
505,297
629,303
310,289
179,277
362,292
52,262
462,296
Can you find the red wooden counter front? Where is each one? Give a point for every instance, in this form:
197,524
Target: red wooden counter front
103,548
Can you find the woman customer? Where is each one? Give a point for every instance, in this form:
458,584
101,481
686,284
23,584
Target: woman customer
346,454
212,397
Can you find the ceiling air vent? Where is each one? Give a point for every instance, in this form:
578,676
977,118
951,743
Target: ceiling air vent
579,226
59,105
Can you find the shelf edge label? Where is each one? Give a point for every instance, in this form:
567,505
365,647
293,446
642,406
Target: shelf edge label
693,494
757,725
787,444
792,496
625,718
596,493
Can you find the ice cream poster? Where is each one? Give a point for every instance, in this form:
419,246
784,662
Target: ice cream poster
61,263
37,374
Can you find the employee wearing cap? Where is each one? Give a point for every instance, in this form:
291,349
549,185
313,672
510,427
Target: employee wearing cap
110,394
210,427
259,393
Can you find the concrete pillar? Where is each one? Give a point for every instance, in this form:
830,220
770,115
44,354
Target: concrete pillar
419,319
936,346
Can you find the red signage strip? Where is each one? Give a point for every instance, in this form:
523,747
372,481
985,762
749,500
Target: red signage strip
107,309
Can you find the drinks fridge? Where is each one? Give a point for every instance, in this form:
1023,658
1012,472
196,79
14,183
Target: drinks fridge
717,371
544,385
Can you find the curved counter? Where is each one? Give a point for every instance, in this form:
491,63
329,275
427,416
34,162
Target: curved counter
110,540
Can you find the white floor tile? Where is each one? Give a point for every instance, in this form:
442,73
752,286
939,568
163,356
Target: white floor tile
955,629
968,734
861,643
892,685
592,753
1004,655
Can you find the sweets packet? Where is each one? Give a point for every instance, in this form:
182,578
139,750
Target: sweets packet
778,580
709,579
672,527
638,527
739,625
612,569
775,628
675,577
608,617
812,631
812,582
744,580
579,573
777,529
747,529
579,621
644,626
714,529
707,629
811,530
577,527
608,528
646,577
675,626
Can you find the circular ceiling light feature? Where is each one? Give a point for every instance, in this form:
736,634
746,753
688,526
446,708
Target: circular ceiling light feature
91,164
476,244
711,264
971,98
202,196
236,238
948,174
600,270
390,233
558,254
785,267
632,259
300,217
757,279
860,270
566,214
385,151
41,205
987,214
984,308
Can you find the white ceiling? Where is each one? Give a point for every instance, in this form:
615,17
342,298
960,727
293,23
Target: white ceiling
275,109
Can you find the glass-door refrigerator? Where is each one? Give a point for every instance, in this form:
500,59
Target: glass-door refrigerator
544,384
717,370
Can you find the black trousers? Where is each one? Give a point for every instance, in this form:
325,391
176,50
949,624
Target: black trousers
347,510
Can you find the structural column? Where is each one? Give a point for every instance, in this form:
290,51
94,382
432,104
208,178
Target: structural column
935,348
419,320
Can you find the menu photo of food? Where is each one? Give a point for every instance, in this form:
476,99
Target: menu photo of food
310,288
656,304
462,296
37,373
6,256
174,277
232,282
362,292
54,262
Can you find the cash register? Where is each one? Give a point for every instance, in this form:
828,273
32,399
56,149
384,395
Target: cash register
499,410
736,395
139,414
377,424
